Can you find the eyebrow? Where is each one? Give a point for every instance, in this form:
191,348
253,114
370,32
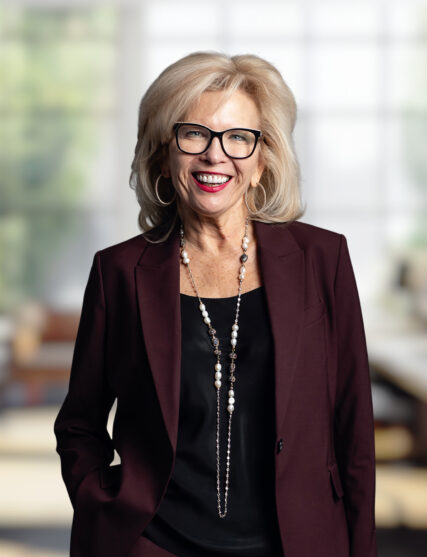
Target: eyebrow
225,129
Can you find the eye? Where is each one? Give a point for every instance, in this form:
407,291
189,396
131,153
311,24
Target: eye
238,137
194,133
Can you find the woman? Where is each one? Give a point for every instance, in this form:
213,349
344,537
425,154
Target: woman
231,335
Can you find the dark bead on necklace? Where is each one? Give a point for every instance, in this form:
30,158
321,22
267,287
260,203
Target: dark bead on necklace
217,352
215,341
232,366
243,258
233,355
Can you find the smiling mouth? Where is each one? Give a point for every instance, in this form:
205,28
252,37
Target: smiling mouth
211,179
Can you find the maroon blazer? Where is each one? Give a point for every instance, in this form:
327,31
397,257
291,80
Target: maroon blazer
128,347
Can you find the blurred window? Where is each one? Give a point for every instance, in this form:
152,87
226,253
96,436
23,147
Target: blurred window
58,112
72,75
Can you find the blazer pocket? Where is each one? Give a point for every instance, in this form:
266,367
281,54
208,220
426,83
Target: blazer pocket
336,480
313,313
110,476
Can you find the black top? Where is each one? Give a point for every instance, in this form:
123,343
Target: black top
187,522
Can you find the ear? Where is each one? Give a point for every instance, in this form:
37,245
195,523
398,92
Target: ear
164,166
257,174
165,170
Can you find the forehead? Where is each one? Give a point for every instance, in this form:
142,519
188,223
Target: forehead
221,110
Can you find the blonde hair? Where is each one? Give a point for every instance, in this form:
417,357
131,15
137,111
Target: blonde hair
169,98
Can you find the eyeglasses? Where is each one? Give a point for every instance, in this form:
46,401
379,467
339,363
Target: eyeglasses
195,139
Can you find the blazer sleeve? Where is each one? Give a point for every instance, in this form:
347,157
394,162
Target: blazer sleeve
83,442
353,419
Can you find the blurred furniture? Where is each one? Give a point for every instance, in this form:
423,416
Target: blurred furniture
401,497
397,348
42,349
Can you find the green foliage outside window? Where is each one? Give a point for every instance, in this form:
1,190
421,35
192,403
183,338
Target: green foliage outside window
57,70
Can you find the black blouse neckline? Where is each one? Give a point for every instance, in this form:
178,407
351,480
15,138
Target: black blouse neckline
222,299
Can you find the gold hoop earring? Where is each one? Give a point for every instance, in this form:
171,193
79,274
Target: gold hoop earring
161,202
258,185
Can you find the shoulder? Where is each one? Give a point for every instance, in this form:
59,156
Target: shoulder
128,252
310,236
124,254
124,248
321,246
298,235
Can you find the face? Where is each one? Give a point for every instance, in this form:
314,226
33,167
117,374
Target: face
207,199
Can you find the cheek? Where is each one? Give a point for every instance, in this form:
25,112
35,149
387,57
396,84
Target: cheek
178,169
181,178
245,173
177,164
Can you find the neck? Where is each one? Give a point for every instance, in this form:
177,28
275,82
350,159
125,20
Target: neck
215,236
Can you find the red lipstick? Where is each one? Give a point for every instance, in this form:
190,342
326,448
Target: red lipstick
211,189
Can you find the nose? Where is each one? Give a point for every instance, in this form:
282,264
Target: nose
215,152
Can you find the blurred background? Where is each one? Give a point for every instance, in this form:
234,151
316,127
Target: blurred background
72,73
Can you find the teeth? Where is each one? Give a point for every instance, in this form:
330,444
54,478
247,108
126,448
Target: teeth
212,178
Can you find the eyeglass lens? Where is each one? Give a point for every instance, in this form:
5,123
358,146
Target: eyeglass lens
194,139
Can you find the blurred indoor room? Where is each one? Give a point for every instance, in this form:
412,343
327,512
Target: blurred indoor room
72,75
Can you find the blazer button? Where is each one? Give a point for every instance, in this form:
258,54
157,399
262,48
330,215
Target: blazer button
280,445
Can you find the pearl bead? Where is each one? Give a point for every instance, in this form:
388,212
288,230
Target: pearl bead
207,320
231,400
233,334
218,375
235,327
184,254
233,341
230,408
218,367
202,307
231,392
186,260
218,384
243,269
205,313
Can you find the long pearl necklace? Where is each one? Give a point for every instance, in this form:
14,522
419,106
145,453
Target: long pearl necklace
217,352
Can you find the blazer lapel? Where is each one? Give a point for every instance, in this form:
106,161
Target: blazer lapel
158,292
158,285
282,268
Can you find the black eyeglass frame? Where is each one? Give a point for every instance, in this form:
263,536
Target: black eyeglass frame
257,133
